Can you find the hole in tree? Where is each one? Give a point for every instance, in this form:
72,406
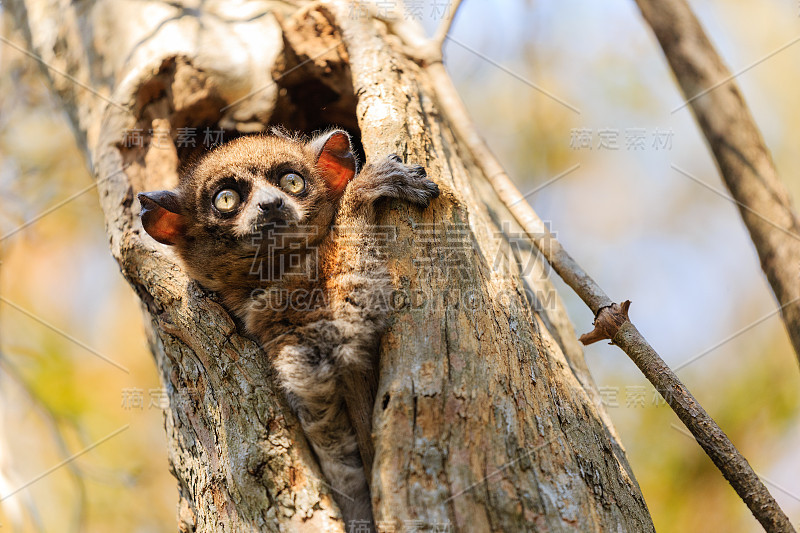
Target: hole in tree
316,95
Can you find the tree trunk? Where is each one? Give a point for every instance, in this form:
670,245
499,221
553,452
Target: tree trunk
486,418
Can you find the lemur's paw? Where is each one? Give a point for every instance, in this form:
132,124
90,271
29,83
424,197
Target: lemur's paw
411,182
427,190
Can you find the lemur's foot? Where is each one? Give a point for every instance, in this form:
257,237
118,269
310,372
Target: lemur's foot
391,178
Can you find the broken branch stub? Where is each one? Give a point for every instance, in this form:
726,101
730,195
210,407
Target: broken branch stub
607,323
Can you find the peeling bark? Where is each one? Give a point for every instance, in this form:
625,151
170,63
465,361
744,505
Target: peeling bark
486,417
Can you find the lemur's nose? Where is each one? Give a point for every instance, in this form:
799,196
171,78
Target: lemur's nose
273,203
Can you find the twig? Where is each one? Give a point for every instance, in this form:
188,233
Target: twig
444,27
738,147
611,319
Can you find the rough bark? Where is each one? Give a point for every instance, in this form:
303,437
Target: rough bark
486,418
743,159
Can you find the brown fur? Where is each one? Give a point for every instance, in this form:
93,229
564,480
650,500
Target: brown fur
320,316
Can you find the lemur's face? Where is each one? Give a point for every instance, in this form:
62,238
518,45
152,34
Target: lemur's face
248,201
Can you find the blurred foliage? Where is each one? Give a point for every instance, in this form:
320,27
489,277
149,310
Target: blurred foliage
646,233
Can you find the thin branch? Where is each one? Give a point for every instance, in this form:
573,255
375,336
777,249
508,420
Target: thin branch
618,328
447,23
742,156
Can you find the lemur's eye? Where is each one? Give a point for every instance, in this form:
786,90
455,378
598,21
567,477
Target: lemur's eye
226,200
292,183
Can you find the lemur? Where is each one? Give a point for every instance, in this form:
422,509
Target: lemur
254,221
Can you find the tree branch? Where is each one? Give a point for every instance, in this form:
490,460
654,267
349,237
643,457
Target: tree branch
447,23
742,157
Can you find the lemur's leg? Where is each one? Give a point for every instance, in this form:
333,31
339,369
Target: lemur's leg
309,362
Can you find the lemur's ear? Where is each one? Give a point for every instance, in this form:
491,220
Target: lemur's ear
162,217
335,158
